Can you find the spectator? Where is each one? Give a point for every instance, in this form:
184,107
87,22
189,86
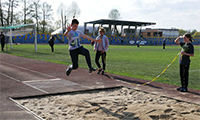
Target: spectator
184,61
138,43
164,42
122,41
51,42
2,38
101,49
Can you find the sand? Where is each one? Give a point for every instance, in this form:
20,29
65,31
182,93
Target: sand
115,104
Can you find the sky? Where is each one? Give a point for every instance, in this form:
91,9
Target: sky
181,14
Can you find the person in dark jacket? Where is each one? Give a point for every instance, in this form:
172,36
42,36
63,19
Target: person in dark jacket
51,43
164,42
2,38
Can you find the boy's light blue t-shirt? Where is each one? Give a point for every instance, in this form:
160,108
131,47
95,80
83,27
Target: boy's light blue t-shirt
74,39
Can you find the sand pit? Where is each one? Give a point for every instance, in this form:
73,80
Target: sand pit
112,104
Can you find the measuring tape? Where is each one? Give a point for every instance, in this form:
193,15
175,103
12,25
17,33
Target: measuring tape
154,78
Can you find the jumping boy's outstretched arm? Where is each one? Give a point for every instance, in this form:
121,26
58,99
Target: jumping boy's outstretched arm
69,28
90,38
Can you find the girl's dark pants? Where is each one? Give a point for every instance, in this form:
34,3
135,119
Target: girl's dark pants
74,56
103,57
184,74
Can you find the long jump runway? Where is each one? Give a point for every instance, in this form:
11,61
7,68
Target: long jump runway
22,77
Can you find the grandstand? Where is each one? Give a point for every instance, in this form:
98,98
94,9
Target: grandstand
26,34
113,40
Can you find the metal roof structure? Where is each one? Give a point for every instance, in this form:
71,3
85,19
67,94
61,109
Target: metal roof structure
120,22
15,27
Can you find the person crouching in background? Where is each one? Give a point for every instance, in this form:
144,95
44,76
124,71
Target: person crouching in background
101,49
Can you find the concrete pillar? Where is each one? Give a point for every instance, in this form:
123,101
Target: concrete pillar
109,32
135,30
115,30
122,30
93,30
85,27
129,29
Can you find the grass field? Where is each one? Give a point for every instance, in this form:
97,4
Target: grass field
145,62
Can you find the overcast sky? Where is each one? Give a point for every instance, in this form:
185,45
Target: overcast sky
181,14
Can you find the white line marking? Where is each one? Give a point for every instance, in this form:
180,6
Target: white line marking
43,80
24,83
26,109
36,88
27,69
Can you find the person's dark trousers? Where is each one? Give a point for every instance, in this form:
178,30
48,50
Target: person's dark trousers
52,48
103,57
2,45
184,74
74,57
51,45
163,45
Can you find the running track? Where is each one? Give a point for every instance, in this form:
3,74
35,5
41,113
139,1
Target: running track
21,77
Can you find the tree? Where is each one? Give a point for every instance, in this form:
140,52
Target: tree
1,14
62,13
9,15
193,31
73,10
182,32
27,10
114,14
36,14
46,15
196,34
14,4
57,24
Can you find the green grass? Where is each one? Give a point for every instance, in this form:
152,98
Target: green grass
145,62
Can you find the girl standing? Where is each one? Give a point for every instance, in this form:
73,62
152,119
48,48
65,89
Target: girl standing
101,49
184,60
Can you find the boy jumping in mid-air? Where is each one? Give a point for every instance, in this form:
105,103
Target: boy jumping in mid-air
75,48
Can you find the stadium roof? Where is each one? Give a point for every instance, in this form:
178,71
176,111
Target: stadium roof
120,22
14,27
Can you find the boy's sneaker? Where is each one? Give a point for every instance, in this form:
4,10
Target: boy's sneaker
69,69
99,71
92,70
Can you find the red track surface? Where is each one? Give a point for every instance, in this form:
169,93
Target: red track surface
21,77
